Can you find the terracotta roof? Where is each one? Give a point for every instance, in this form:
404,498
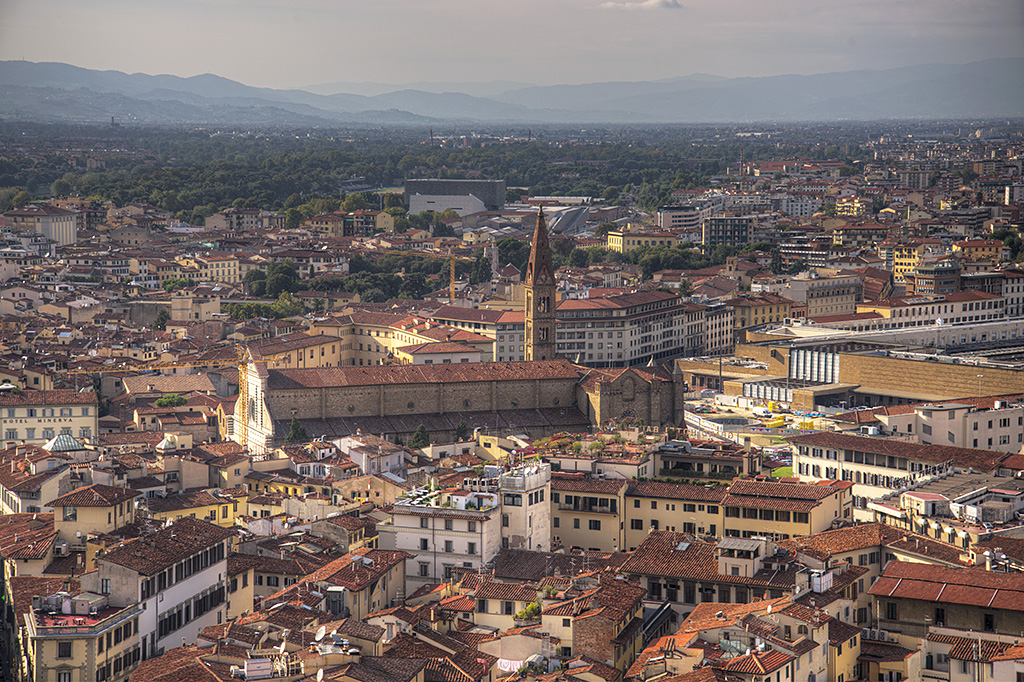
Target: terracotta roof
954,586
986,460
421,374
95,495
675,491
155,552
672,554
58,396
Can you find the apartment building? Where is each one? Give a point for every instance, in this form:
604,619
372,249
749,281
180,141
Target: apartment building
960,307
177,576
753,311
603,623
908,604
859,235
242,219
56,224
676,569
586,513
442,530
736,228
39,416
620,331
879,466
825,292
986,423
80,636
30,477
675,507
908,256
939,278
783,510
626,242
981,249
361,582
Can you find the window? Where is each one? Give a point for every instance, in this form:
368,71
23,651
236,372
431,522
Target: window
424,522
575,523
472,526
556,522
65,676
471,549
504,520
64,650
423,544
988,622
892,611
424,570
449,524
636,524
508,608
449,546
105,586
595,524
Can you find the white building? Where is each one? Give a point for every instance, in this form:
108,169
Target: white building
444,530
178,575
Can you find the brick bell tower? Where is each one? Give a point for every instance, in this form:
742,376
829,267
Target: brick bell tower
540,296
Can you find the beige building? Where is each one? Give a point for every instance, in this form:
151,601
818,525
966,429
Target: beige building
57,224
39,416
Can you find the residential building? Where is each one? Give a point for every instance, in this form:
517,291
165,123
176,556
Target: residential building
625,330
455,529
177,575
981,249
878,466
960,307
31,477
825,292
39,416
736,228
626,242
79,635
935,279
754,311
56,224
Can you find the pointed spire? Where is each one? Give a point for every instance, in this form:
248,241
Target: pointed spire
539,269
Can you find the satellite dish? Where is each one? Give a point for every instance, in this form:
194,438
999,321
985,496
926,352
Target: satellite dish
321,631
334,632
320,675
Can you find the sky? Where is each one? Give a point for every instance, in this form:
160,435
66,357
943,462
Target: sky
293,43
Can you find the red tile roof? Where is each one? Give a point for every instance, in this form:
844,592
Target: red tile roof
955,586
95,495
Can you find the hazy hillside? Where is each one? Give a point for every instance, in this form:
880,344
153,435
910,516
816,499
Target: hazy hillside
52,91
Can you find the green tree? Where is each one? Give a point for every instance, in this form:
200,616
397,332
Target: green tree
171,400
60,187
174,283
461,430
420,438
296,432
776,266
161,320
21,199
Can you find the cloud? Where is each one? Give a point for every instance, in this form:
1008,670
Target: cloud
641,4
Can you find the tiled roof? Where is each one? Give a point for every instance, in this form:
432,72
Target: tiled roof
166,547
986,460
354,571
660,554
421,374
57,396
954,586
582,484
533,566
95,495
675,491
26,536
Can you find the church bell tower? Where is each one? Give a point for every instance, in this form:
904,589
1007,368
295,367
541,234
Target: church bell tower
540,296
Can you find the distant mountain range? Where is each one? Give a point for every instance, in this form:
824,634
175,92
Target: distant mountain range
62,92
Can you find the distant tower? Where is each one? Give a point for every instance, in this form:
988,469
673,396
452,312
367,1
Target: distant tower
540,297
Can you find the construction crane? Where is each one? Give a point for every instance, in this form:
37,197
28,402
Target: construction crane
241,362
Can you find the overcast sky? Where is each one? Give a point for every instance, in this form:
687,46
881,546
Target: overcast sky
288,43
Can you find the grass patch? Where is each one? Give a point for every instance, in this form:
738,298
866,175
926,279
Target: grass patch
782,472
